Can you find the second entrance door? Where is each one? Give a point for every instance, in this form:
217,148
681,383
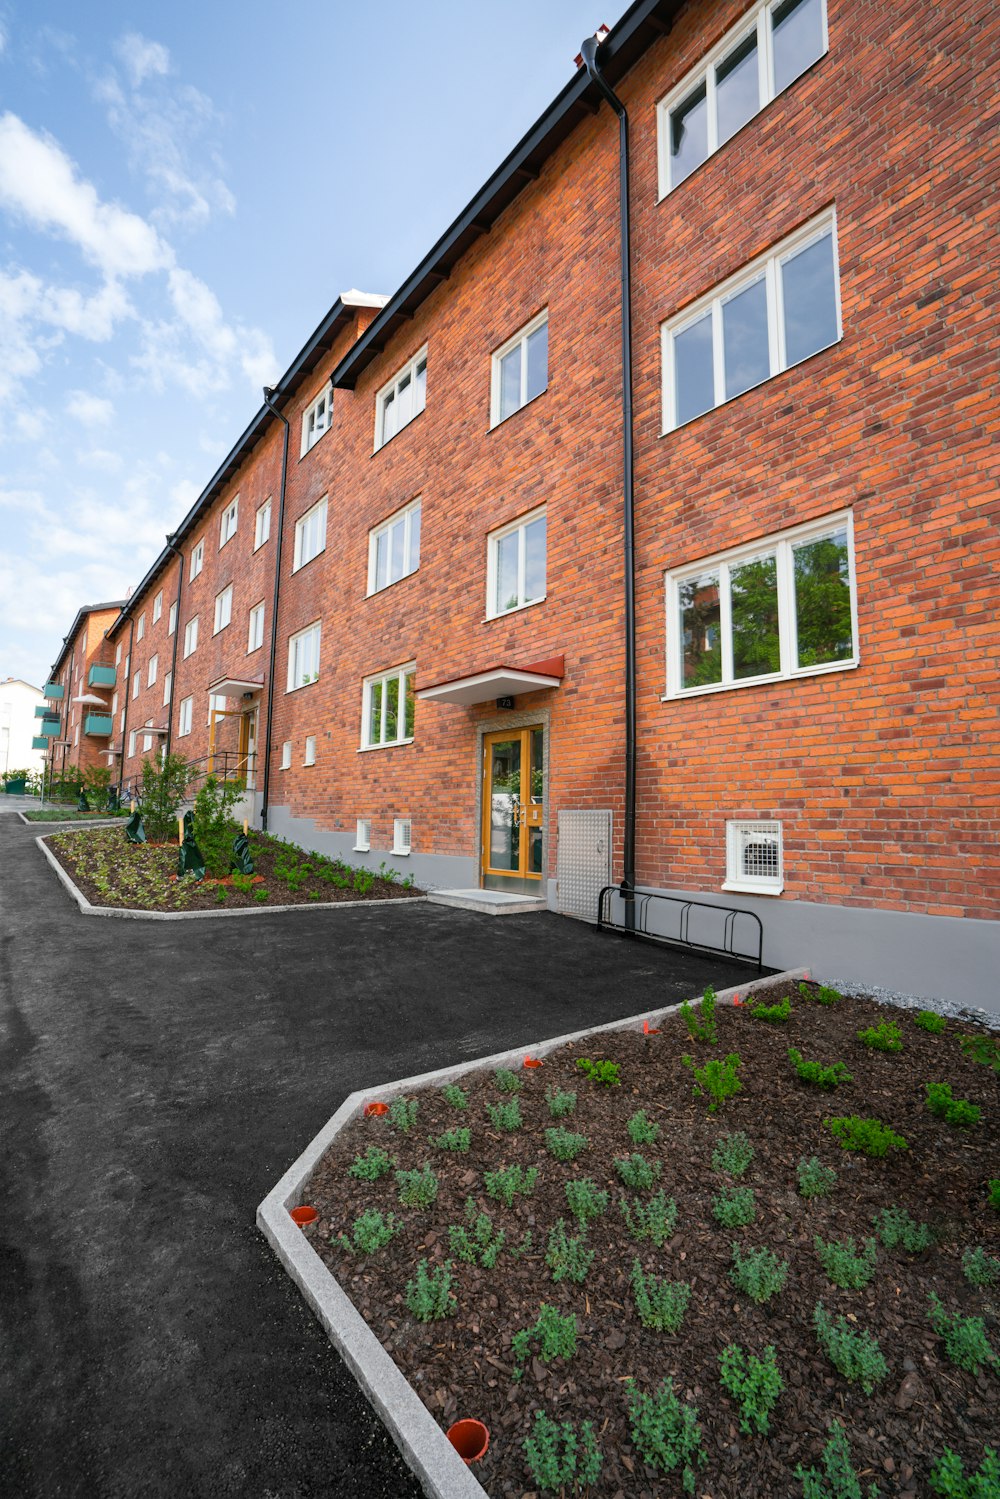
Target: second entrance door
513,817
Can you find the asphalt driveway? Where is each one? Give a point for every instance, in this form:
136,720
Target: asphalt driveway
156,1078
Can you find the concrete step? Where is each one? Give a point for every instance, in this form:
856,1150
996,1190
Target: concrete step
489,902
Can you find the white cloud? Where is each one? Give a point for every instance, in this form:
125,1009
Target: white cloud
90,410
142,58
102,459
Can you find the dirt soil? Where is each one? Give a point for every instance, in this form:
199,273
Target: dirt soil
463,1366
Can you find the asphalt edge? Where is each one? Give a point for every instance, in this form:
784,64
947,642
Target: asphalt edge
69,822
440,1471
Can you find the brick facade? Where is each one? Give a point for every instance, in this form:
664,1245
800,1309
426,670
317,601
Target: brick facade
86,646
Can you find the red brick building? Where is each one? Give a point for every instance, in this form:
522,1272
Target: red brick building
812,209
81,692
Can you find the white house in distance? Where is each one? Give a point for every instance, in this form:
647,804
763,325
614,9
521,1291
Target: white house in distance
18,725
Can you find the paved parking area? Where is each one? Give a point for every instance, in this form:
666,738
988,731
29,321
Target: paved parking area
155,1081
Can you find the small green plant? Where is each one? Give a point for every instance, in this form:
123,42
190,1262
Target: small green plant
428,1295
566,1256
638,1173
816,1073
370,1232
605,1073
477,1242
564,1144
560,1458
982,1049
703,1028
993,1192
870,1136
735,1207
948,1477
717,1079
853,1353
666,1432
417,1189
556,1336
930,1020
642,1131
454,1096
732,1154
403,1113
585,1201
508,1182
980,1268
843,1265
822,995
838,1479
661,1304
560,1102
754,1383
220,895
965,1340
452,1139
815,1179
882,1037
374,1164
260,895
655,1219
952,1110
774,1014
758,1273
507,1081
505,1117
898,1230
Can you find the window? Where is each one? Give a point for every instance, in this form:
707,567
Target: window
223,609
229,522
151,670
197,559
783,607
216,705
185,716
316,419
520,369
310,755
310,535
262,525
754,858
515,565
168,682
157,606
255,637
190,636
140,628
401,835
147,739
770,315
121,723
394,548
387,712
765,52
131,742
363,836
76,736
401,400
128,662
118,654
286,754
172,618
136,684
303,657
114,704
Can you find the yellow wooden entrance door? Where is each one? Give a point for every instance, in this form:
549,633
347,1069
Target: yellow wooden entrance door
513,830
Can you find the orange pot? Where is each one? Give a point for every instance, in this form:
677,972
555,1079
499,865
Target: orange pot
532,1061
470,1440
303,1215
375,1110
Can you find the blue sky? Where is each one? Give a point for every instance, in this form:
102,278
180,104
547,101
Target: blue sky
184,191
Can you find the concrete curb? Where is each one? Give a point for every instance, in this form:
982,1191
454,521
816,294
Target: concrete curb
70,822
440,1471
130,915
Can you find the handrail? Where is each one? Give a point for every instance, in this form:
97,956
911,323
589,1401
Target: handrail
639,925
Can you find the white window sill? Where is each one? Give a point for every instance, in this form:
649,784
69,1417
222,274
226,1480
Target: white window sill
771,680
519,609
361,848
306,764
400,853
301,687
752,887
392,744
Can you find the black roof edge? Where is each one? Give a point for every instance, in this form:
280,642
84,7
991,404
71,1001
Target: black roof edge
83,610
625,43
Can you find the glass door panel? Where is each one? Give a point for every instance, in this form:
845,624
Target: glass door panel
513,798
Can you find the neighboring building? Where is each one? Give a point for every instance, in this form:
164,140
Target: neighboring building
815,511
83,691
21,707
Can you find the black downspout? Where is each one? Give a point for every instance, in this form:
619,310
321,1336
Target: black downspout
269,394
128,694
589,53
172,544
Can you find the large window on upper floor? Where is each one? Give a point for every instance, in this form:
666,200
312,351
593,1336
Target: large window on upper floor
394,548
229,522
310,535
262,524
520,369
783,606
388,708
515,564
759,57
197,558
775,312
316,420
303,657
403,398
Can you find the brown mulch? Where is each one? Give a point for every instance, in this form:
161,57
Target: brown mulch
463,1366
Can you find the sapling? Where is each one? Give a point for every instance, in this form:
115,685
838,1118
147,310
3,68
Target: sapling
564,1144
477,1242
982,1049
816,1073
953,1110
403,1113
374,1164
773,1014
758,1273
993,1192
560,1458
735,1207
560,1102
370,1232
661,1304
838,1479
869,1136
822,995
980,1268
853,1352
638,1173
458,1140
930,1020
428,1295
754,1383
507,1081
882,1037
705,1027
454,1096
815,1179
842,1263
508,1182
417,1189
898,1230
655,1219
585,1201
732,1154
556,1335
566,1255
600,1072
717,1079
505,1117
949,1479
641,1130
666,1432
965,1340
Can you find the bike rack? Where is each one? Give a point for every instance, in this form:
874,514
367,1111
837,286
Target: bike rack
640,901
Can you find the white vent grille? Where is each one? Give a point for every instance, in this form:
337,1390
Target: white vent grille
754,857
584,862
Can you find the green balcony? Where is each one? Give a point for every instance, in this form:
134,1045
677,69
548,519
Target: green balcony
50,728
101,676
97,723
39,742
42,712
53,690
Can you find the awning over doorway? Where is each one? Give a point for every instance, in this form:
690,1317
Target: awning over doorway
496,681
236,686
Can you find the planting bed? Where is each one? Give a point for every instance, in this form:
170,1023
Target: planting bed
464,1364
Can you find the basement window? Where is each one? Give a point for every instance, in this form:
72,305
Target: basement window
754,861
401,835
363,836
310,755
286,755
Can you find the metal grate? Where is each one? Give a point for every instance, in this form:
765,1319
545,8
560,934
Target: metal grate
754,852
584,862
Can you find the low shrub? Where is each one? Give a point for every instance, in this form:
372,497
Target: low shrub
454,1096
477,1242
732,1154
773,1014
882,1037
403,1113
638,1173
702,1028
822,994
585,1201
564,1144
816,1073
661,1304
642,1131
508,1182
506,1117
952,1110
666,1432
605,1073
948,1477
654,1219
982,1049
566,1255
965,1340
735,1207
758,1273
507,1081
980,1268
815,1179
370,1232
869,1136
417,1189
374,1164
930,1020
560,1458
993,1192
555,1334
428,1295
898,1230
716,1079
754,1383
843,1265
838,1479
853,1353
458,1140
560,1102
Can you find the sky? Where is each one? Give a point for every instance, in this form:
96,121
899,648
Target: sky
184,192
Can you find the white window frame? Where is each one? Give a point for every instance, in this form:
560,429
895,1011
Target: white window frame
185,717
766,266
317,419
168,682
118,654
781,543
737,832
190,637
157,606
286,755
216,704
121,722
303,530
756,21
223,608
520,337
262,524
197,559
228,522
136,684
493,541
402,837
391,390
147,739
293,670
309,754
255,628
151,670
398,673
406,515
114,704
140,628
172,618
131,743
363,835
